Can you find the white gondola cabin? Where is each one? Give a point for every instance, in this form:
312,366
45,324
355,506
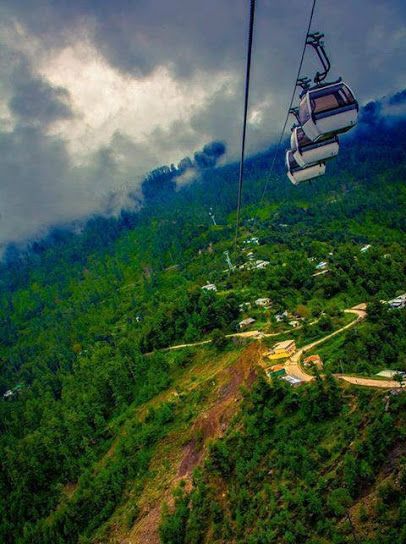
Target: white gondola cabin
297,174
327,110
306,152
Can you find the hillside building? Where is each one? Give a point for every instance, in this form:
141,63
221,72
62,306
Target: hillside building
246,323
276,371
391,374
263,302
313,361
283,350
292,380
209,287
294,323
398,302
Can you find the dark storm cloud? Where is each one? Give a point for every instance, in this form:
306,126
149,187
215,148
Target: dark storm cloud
138,36
35,100
208,157
366,37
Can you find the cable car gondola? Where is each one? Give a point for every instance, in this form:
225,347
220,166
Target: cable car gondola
307,152
297,174
327,110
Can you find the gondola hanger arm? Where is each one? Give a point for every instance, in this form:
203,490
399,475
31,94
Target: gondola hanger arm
314,39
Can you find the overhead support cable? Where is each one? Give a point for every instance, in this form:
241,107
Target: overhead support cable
244,126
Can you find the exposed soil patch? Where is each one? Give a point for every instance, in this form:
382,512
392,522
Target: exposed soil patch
214,422
210,424
146,530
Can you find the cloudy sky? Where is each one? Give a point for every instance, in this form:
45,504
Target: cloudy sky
94,93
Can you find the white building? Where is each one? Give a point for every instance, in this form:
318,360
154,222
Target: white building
398,302
252,265
292,380
261,264
252,241
280,317
263,302
294,323
246,322
209,287
390,373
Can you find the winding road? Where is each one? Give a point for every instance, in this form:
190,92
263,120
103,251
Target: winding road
293,367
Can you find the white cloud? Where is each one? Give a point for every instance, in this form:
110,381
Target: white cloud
106,101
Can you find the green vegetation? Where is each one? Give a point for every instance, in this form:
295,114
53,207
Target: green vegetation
300,465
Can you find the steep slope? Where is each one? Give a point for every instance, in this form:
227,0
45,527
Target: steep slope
317,464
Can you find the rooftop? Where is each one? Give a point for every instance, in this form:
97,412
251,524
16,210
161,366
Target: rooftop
389,373
283,345
292,380
275,368
210,286
247,321
312,358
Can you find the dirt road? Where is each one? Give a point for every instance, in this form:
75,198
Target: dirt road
247,334
369,382
293,367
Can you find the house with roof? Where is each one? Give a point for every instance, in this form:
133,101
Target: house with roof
294,323
398,302
313,361
246,323
263,302
209,287
283,350
275,371
391,374
281,316
294,381
254,265
252,241
259,265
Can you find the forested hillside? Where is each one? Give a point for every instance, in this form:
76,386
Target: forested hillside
90,397
315,465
